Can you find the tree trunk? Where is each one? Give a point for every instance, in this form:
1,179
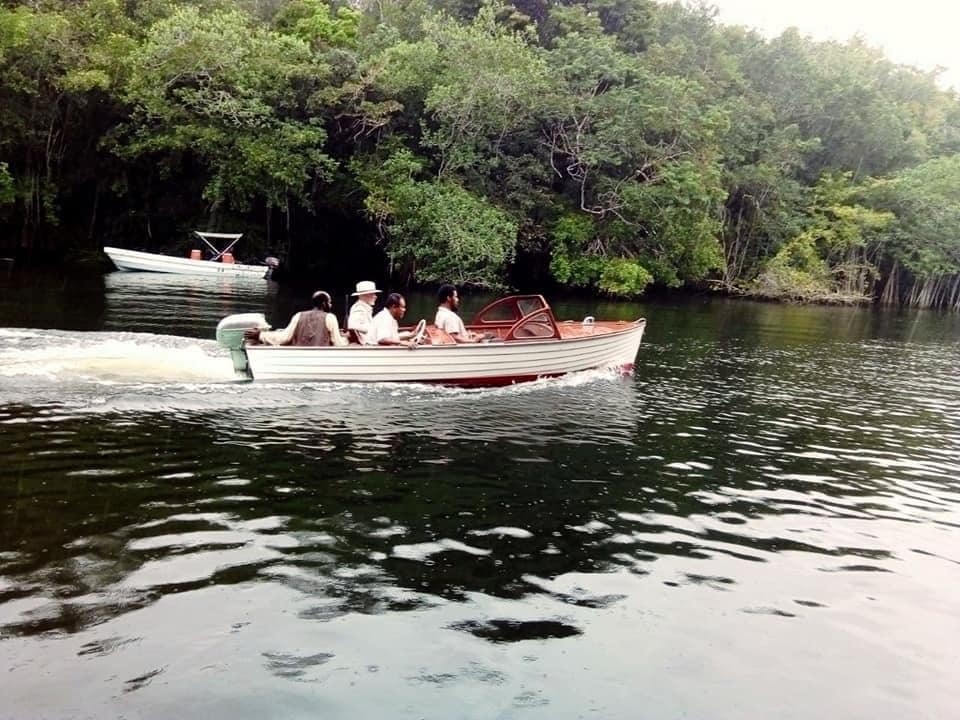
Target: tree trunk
91,233
891,291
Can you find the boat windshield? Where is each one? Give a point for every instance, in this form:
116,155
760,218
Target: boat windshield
517,317
510,309
538,325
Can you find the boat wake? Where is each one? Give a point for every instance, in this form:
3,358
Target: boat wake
36,356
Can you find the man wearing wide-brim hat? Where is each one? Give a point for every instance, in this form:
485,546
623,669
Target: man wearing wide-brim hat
361,312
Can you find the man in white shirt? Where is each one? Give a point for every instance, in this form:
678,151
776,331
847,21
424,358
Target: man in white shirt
385,328
447,318
317,327
361,312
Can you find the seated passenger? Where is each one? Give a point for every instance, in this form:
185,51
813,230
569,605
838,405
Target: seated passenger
317,327
361,312
385,328
448,320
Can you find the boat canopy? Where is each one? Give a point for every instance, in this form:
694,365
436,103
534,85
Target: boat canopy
218,253
220,236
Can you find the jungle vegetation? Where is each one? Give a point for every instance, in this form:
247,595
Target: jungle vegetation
610,145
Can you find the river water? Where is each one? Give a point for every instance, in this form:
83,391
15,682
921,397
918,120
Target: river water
763,522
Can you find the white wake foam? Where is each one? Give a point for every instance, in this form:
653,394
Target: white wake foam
110,357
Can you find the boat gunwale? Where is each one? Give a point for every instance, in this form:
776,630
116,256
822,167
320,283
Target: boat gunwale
629,326
236,268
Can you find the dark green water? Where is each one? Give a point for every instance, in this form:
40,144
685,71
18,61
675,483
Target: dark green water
762,523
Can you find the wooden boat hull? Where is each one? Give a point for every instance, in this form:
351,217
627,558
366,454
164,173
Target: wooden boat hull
134,260
602,345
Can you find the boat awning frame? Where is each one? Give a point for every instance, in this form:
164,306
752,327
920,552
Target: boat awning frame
218,253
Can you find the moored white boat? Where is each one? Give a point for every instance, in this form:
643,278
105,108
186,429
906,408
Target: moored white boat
527,343
221,264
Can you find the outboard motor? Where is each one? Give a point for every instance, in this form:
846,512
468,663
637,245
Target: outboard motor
272,264
230,335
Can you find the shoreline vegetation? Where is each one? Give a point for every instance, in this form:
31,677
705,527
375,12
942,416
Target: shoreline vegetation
610,146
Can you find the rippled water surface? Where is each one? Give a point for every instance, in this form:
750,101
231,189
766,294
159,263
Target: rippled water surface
762,523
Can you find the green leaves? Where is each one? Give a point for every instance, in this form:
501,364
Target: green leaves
610,145
436,229
314,22
7,193
621,276
223,66
232,92
488,86
833,257
925,237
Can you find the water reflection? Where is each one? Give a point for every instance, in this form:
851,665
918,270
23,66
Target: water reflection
180,304
203,481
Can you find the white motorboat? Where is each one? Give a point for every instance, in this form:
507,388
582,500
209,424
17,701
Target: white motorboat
220,264
525,342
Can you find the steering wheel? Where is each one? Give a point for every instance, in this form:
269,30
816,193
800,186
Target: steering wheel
419,332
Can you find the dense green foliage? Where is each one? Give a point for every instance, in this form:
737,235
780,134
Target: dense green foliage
602,144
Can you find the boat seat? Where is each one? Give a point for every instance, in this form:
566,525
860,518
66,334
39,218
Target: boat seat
439,337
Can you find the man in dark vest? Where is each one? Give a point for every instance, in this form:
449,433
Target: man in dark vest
317,327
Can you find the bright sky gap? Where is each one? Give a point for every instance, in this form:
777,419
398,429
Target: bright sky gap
921,33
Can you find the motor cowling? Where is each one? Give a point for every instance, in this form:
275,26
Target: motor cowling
230,335
230,330
272,264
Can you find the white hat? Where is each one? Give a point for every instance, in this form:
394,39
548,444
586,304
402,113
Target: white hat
365,287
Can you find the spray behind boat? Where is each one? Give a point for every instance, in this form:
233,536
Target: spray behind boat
230,335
